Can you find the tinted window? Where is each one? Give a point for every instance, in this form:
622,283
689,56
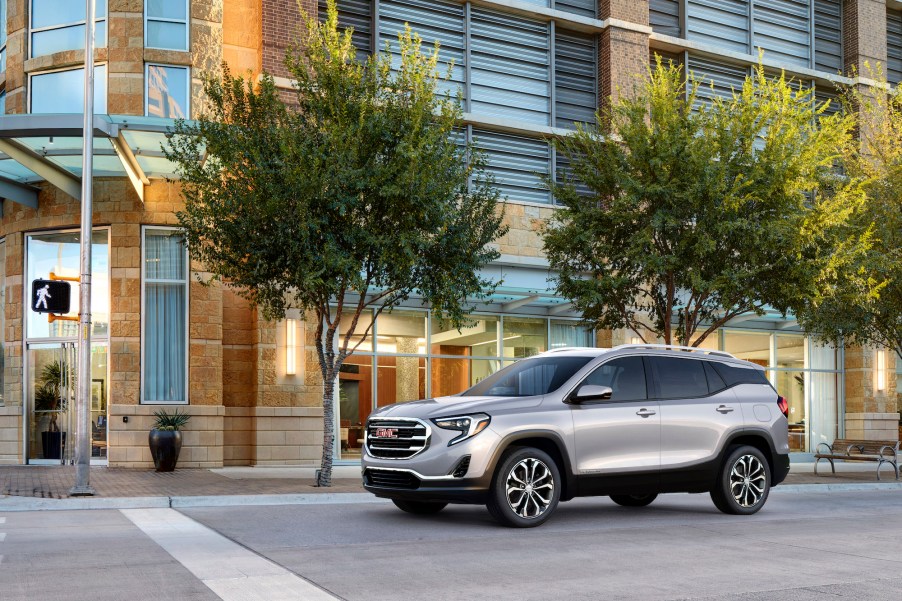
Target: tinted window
625,376
733,375
679,378
715,382
530,377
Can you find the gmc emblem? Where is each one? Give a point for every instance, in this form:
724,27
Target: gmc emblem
386,433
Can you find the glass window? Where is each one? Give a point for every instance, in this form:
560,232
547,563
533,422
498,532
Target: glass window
679,378
355,402
400,379
751,346
570,333
530,377
63,91
453,376
402,332
478,339
59,252
524,337
167,24
625,376
165,315
3,24
58,25
168,91
733,375
791,351
715,382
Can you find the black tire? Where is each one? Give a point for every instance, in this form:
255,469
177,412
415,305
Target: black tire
419,507
633,500
533,472
743,483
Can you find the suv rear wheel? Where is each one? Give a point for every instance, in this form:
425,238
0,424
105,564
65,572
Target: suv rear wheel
744,482
633,500
418,507
526,488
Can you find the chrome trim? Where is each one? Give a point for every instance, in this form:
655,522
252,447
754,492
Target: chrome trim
409,471
426,439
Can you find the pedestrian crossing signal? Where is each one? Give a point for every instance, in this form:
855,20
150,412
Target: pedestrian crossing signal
50,296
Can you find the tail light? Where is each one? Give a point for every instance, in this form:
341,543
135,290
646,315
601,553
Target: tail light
784,406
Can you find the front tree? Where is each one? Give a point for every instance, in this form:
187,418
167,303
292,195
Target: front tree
689,215
350,198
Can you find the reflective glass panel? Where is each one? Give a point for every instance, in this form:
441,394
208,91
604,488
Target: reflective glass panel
167,92
570,333
791,351
59,253
360,329
477,339
162,34
453,376
751,346
47,13
167,9
355,397
524,337
402,332
62,91
791,385
400,379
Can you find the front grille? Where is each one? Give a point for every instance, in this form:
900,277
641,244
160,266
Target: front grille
406,438
390,479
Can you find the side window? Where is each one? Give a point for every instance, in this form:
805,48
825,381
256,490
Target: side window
715,382
625,376
679,378
733,375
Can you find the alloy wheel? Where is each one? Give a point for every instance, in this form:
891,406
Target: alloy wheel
530,488
748,480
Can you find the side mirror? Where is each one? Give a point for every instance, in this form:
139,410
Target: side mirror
590,392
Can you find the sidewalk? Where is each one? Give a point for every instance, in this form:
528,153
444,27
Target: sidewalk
46,487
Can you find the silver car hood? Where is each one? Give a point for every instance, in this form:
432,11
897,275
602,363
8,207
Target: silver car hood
447,406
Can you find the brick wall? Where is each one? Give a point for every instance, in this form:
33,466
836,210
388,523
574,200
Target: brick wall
281,20
634,11
864,33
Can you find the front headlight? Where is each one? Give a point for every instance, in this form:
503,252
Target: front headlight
468,425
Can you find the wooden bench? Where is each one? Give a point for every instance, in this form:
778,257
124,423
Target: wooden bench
881,451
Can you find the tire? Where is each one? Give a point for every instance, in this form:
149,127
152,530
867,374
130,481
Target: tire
634,500
743,484
419,507
526,488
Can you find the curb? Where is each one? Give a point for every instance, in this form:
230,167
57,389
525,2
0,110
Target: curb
9,503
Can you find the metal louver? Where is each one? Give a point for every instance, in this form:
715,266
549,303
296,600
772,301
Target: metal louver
575,82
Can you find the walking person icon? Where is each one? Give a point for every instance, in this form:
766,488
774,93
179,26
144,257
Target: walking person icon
43,295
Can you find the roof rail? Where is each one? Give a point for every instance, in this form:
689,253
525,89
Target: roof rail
573,348
676,347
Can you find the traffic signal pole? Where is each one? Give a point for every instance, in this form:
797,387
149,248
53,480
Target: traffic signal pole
83,379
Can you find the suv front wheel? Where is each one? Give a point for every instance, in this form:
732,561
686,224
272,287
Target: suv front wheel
743,483
526,488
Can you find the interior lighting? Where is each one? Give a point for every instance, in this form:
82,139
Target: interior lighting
291,326
881,370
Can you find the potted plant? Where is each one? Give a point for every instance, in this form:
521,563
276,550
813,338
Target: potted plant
165,439
48,398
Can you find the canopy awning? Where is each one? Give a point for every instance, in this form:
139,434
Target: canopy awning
48,147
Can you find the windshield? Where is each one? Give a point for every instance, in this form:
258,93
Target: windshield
530,377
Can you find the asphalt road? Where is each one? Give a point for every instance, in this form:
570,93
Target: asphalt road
810,546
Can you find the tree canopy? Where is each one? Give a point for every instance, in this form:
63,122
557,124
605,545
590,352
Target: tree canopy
681,215
860,296
349,196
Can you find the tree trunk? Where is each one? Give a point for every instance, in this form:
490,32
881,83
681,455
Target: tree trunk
324,477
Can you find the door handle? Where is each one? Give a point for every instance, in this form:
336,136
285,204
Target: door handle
724,409
645,412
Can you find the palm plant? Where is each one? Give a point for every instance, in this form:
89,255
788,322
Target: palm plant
49,394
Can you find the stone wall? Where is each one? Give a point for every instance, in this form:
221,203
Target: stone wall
871,414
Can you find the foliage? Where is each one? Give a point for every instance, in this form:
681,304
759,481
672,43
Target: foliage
698,213
170,421
349,197
860,297
48,395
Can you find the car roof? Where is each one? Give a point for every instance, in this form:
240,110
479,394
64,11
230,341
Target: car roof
655,349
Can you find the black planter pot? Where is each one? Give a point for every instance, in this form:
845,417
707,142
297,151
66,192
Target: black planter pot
164,447
52,444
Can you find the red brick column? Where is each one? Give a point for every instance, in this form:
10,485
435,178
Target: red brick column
281,22
864,33
623,52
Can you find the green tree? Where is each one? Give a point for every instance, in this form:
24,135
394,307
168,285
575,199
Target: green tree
691,214
350,198
860,296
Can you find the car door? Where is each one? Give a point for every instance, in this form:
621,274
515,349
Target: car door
695,416
621,434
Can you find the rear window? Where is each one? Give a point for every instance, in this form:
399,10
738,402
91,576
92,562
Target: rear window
530,377
733,375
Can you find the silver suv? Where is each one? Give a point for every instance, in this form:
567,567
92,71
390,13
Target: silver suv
631,422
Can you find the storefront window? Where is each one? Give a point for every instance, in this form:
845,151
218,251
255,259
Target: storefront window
751,346
58,25
479,338
63,91
402,332
570,333
524,337
2,321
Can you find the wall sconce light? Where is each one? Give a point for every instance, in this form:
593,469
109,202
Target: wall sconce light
291,326
881,370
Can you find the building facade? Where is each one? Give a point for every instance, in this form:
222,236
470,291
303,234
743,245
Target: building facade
528,71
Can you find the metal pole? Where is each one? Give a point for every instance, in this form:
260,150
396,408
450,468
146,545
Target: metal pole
83,380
